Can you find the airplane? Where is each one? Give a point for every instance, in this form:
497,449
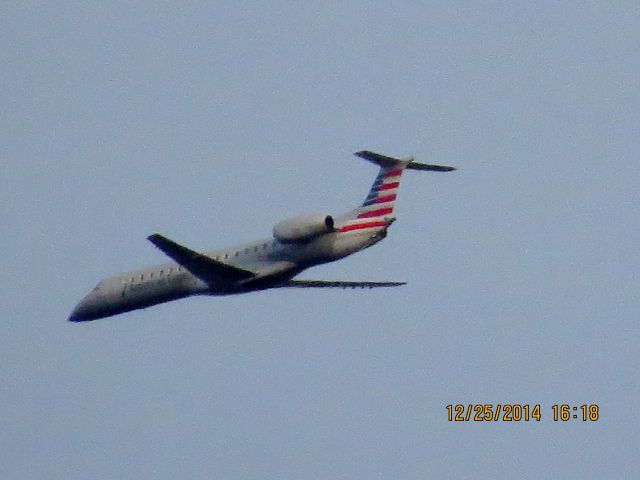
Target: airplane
297,244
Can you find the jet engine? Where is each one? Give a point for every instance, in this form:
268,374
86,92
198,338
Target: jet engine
303,228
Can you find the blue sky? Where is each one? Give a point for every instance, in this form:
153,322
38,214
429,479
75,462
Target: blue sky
212,122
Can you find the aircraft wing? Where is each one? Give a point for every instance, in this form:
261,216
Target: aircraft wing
203,267
338,284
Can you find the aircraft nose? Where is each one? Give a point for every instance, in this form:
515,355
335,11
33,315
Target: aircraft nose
78,314
82,311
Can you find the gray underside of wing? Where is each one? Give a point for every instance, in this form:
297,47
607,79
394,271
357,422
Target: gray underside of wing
338,284
203,267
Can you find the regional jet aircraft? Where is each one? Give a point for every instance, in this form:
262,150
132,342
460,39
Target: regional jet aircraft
297,244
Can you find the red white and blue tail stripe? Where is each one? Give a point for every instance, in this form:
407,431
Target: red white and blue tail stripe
377,209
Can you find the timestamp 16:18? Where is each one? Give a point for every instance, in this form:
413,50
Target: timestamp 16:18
565,413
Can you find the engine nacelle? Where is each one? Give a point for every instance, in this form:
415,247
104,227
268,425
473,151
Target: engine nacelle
303,228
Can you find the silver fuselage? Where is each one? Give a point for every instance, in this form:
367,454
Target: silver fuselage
274,263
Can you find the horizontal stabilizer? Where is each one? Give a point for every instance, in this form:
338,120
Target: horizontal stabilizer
432,168
409,163
338,284
203,267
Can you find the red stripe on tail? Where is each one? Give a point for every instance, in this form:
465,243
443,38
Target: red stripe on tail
393,173
388,186
376,213
359,226
388,198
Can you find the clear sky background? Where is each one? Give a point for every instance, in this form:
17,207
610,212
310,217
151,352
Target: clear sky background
211,122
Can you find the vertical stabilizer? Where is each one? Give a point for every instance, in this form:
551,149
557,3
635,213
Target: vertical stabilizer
382,195
377,208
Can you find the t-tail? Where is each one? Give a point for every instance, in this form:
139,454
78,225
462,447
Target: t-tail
377,208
